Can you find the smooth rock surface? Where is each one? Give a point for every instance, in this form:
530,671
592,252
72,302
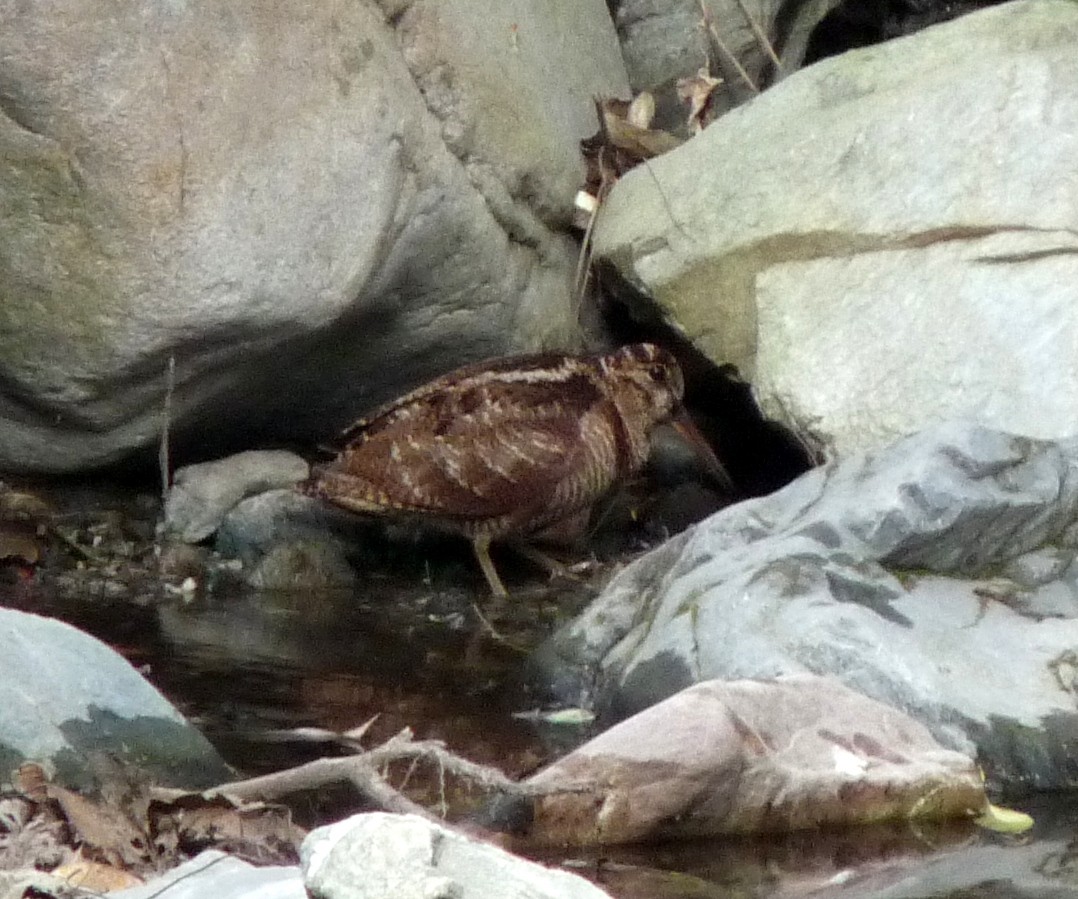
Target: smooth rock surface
384,856
881,570
753,757
202,495
886,239
215,874
67,699
308,208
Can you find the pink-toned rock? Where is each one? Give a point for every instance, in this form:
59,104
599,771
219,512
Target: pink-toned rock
747,756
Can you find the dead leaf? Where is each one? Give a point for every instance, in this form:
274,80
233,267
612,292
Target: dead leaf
698,90
31,835
18,506
257,831
30,780
87,874
23,519
105,828
634,140
641,110
622,142
17,545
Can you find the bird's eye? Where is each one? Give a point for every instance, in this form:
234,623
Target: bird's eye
657,373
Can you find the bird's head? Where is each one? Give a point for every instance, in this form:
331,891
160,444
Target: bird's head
647,381
648,378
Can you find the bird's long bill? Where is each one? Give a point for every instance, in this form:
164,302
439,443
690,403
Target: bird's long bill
688,430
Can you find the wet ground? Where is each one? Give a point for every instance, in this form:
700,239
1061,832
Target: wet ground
251,668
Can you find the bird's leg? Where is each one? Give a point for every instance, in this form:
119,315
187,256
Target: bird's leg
481,546
548,563
564,532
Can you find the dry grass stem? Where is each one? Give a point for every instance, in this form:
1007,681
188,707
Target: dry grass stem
726,51
163,460
761,38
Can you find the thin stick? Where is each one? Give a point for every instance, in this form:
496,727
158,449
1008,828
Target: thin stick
163,460
761,38
726,50
362,771
583,262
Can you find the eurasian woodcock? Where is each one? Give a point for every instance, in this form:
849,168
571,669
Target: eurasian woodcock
508,448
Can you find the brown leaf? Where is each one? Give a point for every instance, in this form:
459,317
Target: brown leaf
698,91
255,831
86,874
103,827
18,506
30,780
18,545
23,518
638,142
622,142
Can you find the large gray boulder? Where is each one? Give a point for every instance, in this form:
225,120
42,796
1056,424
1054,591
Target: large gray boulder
939,576
71,703
307,207
886,239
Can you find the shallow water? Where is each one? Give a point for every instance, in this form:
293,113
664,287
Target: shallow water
248,667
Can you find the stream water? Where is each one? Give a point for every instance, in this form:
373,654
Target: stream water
251,667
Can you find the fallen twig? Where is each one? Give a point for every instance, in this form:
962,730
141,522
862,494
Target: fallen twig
363,772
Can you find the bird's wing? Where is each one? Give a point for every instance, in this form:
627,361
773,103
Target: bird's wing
536,371
469,457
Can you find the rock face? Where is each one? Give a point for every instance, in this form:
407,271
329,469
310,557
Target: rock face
939,576
66,700
308,208
886,239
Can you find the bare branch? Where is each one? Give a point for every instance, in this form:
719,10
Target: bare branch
363,772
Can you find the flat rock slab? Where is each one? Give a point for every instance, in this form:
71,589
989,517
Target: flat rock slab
938,576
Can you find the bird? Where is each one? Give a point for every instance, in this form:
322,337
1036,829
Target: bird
511,447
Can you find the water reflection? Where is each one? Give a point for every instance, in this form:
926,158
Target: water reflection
248,666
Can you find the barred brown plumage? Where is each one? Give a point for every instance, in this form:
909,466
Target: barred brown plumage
508,447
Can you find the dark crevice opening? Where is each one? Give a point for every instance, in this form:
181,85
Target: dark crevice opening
760,455
862,23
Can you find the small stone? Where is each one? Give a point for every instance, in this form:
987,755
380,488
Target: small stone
303,565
